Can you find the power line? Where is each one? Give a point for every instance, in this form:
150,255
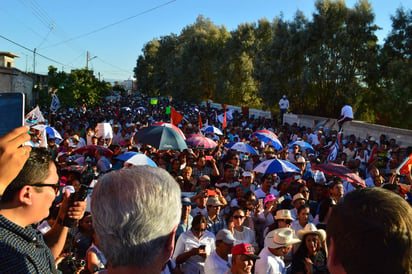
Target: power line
113,24
32,51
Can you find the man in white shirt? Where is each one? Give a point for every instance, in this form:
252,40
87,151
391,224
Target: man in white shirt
283,105
278,243
219,261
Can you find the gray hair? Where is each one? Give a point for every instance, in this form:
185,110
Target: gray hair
134,210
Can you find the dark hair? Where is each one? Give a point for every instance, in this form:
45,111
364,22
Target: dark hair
324,208
35,170
302,207
198,220
371,232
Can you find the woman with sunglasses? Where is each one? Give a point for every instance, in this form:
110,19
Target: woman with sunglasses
241,233
193,246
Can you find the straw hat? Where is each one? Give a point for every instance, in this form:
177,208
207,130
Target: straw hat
311,229
280,237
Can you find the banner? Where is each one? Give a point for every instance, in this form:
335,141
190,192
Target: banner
34,117
153,101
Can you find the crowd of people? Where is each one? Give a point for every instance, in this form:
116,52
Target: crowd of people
200,210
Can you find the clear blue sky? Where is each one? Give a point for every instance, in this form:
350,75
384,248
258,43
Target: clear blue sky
46,24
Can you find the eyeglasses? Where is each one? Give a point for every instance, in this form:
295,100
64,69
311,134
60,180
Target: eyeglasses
56,187
238,217
306,191
288,222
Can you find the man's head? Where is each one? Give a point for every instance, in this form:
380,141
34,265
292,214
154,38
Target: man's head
243,256
135,214
369,231
224,243
213,206
336,189
35,187
280,241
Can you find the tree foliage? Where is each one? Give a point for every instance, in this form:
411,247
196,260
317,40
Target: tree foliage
320,63
77,88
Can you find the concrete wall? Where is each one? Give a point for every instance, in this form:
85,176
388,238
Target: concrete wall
13,80
358,128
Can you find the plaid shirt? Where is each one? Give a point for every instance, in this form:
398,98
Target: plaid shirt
217,225
23,250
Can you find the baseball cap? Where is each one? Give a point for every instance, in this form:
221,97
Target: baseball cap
246,174
226,236
244,249
186,201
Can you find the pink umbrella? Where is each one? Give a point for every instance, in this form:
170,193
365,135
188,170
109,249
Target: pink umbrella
342,172
198,140
164,124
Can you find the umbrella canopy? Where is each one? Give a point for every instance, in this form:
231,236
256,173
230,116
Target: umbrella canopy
267,136
303,145
276,166
136,158
92,149
161,137
163,124
212,129
242,147
342,172
73,168
52,132
198,140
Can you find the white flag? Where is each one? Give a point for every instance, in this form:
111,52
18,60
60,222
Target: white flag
55,104
34,117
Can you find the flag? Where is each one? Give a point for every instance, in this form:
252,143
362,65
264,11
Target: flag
34,117
175,117
200,121
333,154
224,123
55,104
406,166
168,111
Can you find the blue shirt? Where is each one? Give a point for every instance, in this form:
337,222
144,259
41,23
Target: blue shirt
23,250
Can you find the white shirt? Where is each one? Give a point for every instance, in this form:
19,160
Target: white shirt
260,194
269,263
284,103
188,241
246,236
215,264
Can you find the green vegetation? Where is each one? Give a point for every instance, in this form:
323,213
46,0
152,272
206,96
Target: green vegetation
320,64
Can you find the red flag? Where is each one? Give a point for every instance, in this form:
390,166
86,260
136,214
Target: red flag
175,117
406,165
200,121
224,124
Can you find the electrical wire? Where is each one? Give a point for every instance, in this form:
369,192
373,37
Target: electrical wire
112,24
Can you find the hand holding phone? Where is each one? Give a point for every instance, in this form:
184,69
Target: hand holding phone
11,111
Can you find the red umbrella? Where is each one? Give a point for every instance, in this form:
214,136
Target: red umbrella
342,172
164,124
265,131
198,140
92,149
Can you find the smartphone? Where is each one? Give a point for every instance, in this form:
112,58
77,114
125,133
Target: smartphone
11,111
211,192
202,247
208,158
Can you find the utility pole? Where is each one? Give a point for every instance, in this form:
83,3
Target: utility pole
34,61
88,59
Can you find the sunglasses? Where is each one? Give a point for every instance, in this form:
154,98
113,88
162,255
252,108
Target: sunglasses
305,191
56,187
238,217
286,221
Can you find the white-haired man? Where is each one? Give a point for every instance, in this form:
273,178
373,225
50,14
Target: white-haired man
135,214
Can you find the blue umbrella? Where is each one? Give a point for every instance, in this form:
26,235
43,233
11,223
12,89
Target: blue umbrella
242,147
136,158
276,166
266,138
52,132
212,129
303,145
